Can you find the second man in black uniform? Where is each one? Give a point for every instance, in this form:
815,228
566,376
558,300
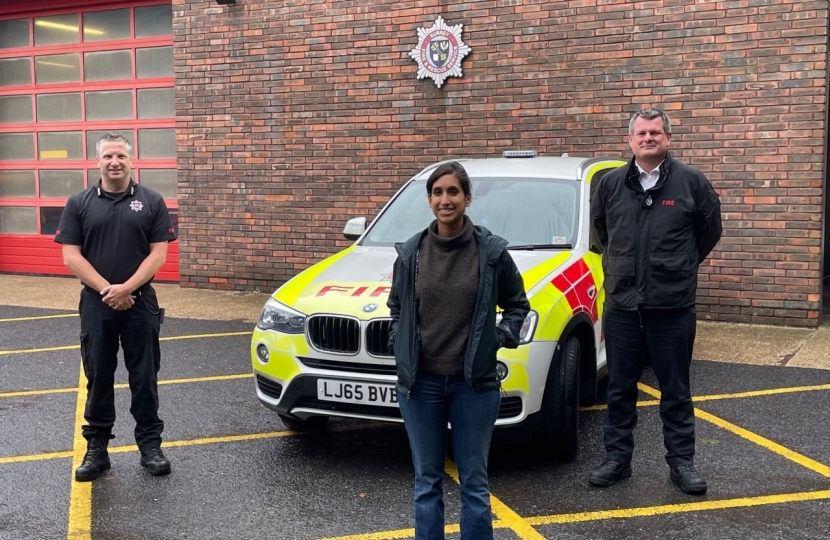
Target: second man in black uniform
115,237
656,219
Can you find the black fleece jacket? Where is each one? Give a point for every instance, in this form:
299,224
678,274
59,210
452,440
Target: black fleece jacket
653,241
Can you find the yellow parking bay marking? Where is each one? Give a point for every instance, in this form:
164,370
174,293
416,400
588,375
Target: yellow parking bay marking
169,338
38,318
507,516
736,395
405,533
209,440
199,336
45,349
211,378
783,451
232,438
743,502
37,457
22,393
622,513
383,535
200,379
134,448
173,444
768,392
508,519
801,459
641,403
80,494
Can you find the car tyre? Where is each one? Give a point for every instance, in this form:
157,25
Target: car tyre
560,403
315,423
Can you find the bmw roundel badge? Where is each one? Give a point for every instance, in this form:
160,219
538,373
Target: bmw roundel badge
368,308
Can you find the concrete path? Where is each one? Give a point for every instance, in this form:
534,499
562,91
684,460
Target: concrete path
722,342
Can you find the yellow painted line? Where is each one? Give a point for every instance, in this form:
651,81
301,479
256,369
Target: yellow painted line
45,349
736,395
200,336
23,393
134,448
169,338
801,459
641,403
36,457
383,535
770,445
508,520
404,533
759,393
623,513
38,318
80,494
506,515
209,440
234,438
166,444
201,379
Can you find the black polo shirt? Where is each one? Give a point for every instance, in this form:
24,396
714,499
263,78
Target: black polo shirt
115,230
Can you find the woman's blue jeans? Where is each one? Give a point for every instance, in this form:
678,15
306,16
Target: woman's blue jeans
435,400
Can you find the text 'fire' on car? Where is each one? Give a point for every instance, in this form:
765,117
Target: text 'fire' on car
320,346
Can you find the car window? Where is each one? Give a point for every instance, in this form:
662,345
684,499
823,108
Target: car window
521,210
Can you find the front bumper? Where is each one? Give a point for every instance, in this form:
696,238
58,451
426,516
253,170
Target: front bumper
299,399
287,383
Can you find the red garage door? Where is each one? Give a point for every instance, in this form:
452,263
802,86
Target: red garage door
68,75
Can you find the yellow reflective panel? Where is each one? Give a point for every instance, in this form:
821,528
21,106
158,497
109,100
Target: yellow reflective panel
606,165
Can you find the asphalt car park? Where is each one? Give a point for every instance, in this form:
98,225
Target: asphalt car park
763,444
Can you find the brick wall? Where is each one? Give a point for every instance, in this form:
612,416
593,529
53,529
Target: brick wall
293,117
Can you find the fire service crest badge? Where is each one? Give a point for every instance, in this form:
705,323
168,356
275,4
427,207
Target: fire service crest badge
439,51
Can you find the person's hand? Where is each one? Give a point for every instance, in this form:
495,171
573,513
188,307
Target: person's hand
118,297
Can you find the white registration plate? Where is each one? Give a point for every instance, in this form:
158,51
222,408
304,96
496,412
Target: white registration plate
357,392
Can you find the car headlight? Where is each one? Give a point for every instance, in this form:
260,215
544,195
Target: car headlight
528,326
281,318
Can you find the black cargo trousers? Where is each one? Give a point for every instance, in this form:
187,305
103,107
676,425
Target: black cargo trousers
137,330
667,337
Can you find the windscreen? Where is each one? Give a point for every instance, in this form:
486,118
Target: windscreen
521,210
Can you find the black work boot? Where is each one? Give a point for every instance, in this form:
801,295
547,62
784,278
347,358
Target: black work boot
688,479
96,460
155,461
609,473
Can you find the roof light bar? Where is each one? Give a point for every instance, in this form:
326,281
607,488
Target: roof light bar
519,153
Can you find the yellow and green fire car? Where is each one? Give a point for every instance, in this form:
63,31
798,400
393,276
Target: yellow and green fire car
320,346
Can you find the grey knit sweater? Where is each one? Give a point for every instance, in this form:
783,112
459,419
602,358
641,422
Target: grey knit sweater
445,289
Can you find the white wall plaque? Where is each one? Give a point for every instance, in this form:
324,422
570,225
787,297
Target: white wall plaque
439,51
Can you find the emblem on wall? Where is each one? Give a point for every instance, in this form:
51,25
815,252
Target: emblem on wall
439,51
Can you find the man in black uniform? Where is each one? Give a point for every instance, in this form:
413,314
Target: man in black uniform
114,238
656,220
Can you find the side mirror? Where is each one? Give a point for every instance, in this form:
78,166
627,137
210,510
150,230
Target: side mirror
354,228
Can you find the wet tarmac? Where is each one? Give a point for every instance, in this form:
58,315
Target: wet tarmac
763,444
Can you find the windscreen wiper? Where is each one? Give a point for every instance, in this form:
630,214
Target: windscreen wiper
531,247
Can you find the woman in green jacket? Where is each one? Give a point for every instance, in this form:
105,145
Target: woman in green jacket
446,284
